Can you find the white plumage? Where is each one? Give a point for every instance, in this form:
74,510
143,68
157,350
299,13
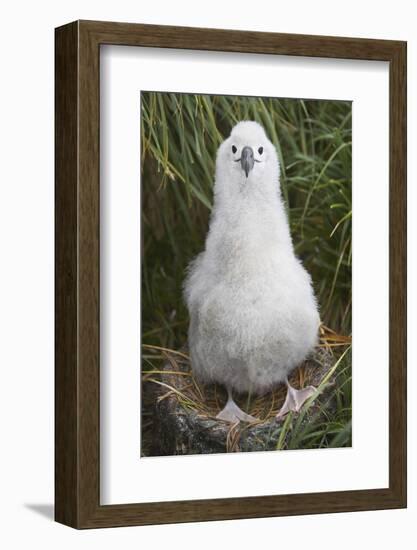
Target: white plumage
253,314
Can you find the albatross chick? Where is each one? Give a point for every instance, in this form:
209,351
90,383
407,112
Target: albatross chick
253,314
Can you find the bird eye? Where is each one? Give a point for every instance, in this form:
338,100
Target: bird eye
234,149
260,150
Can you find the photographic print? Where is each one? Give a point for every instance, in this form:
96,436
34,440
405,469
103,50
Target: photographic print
246,299
204,277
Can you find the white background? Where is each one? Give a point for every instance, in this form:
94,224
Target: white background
26,286
124,477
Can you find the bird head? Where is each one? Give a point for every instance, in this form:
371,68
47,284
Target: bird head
247,161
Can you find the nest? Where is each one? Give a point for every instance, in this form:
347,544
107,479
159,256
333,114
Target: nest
184,419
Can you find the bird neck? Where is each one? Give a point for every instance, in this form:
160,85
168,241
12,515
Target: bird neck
249,225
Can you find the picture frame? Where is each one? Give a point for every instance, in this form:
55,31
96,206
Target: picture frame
77,260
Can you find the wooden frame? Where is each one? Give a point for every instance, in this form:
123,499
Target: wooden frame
77,406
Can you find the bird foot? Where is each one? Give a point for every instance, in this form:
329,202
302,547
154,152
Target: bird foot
295,400
232,413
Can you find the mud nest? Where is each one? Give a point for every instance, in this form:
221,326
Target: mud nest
184,416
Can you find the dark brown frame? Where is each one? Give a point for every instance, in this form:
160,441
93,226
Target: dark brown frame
77,274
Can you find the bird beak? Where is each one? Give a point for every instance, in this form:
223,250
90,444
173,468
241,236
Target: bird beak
247,159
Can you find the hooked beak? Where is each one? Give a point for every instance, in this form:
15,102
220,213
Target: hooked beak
247,159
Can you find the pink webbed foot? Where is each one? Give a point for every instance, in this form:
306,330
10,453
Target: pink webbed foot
232,413
294,399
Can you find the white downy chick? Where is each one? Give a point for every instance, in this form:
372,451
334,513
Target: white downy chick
253,314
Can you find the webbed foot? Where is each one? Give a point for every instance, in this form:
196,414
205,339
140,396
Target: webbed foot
232,413
295,399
